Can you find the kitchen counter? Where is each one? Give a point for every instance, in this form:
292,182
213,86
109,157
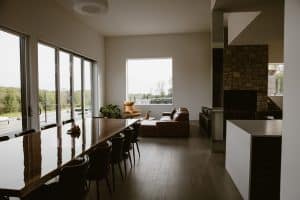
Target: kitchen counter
253,157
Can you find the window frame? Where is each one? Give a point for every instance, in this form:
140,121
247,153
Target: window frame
59,121
26,111
151,58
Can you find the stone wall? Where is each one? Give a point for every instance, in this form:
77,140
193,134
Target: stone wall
246,68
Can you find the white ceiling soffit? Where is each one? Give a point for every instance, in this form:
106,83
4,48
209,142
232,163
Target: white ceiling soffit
143,17
239,21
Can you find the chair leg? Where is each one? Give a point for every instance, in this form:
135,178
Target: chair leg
125,167
130,159
108,185
133,152
98,192
87,185
137,146
120,168
113,175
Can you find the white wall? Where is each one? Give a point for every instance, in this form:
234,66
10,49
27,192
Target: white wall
290,174
191,55
46,21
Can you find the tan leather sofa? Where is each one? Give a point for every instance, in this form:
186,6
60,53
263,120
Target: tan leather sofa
173,124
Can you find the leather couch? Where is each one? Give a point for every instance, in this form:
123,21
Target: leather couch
205,120
171,124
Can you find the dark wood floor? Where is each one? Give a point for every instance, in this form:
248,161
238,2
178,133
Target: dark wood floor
175,169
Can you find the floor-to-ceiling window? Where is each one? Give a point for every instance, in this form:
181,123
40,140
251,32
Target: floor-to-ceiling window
65,85
87,88
47,84
12,99
77,77
70,79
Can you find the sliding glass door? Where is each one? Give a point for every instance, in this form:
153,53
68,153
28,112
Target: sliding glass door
47,85
77,81
65,86
87,88
13,116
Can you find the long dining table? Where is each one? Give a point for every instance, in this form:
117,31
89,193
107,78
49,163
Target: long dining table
29,161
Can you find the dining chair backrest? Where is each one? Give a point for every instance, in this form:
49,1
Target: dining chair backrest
27,132
117,147
136,127
128,132
99,161
72,178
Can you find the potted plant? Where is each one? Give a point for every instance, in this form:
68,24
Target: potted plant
110,111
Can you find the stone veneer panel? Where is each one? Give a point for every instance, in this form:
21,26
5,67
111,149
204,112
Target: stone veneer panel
246,68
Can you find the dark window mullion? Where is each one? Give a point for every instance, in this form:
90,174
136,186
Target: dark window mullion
72,85
82,88
57,88
24,82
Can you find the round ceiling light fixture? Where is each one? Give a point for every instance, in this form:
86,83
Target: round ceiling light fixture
90,7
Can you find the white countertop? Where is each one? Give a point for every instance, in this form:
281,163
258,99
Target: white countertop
260,128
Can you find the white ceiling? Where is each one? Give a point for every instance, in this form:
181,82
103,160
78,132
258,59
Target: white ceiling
143,17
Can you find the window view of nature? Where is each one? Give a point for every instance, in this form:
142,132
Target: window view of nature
87,88
47,95
10,83
149,81
65,85
77,86
275,79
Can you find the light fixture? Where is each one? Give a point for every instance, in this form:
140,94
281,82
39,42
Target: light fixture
90,7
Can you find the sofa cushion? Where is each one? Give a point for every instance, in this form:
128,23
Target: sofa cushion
172,113
165,118
181,116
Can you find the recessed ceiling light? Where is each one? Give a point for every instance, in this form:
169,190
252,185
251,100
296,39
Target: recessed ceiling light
90,7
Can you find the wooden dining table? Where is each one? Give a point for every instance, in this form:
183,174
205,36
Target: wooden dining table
29,161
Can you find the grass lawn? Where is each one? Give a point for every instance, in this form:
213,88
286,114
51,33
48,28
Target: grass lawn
14,114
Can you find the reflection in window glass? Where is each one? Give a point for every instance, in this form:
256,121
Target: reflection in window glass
77,87
10,83
65,86
87,88
47,95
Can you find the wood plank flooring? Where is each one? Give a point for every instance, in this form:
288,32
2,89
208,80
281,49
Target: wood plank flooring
174,169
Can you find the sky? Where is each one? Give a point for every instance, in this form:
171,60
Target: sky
10,65
9,60
143,75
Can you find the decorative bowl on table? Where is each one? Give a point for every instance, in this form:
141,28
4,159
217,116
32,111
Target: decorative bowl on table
74,131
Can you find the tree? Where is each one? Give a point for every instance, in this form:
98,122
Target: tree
10,101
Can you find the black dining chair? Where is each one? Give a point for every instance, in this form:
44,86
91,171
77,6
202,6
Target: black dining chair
27,132
117,155
99,165
72,179
135,140
71,183
128,132
4,138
